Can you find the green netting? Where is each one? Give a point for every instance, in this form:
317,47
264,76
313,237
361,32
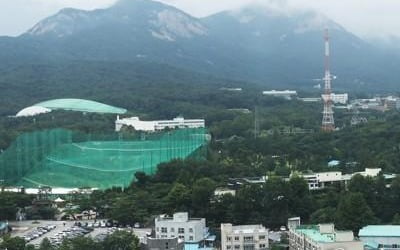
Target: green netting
62,158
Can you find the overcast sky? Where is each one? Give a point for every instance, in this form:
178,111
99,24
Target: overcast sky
376,18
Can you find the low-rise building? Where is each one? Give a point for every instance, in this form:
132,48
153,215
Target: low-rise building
218,192
189,230
244,237
287,94
151,126
320,237
317,181
311,99
380,237
3,227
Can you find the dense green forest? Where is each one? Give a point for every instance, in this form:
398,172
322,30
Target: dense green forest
234,151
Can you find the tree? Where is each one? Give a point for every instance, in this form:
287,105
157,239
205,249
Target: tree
141,179
80,243
12,243
202,192
46,245
396,219
300,202
353,213
121,240
178,198
323,215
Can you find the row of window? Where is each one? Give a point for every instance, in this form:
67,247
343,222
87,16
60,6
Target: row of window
172,230
246,238
191,238
248,247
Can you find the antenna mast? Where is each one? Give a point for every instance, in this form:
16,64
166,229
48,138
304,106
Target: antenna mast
328,122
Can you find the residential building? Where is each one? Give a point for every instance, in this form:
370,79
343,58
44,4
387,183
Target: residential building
380,237
151,126
163,244
244,237
190,230
320,237
317,181
287,94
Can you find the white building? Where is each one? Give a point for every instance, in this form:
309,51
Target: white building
317,181
380,237
338,98
245,237
151,126
321,237
190,230
311,99
287,94
218,192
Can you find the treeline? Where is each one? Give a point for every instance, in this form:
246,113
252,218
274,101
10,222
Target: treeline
189,186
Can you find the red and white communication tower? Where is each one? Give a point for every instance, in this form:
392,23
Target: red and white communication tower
328,123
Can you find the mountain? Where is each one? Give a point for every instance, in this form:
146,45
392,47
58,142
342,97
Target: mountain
254,44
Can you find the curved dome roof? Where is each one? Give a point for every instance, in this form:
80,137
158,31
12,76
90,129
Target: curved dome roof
32,111
71,105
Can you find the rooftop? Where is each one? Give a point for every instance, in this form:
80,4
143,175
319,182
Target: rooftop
80,105
313,233
70,105
380,231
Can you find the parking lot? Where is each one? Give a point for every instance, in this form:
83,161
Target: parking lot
56,231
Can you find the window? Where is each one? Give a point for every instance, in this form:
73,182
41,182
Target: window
261,237
164,230
248,247
181,237
262,245
236,238
190,230
237,246
172,230
191,238
228,247
228,238
248,238
181,230
172,236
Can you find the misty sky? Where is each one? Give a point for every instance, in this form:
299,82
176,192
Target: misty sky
366,18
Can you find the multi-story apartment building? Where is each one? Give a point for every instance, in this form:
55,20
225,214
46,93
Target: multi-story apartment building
320,237
190,230
244,237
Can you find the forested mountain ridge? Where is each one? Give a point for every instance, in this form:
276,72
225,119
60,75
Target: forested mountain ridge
253,44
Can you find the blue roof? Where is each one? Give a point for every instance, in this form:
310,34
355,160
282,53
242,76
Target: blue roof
196,246
380,231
